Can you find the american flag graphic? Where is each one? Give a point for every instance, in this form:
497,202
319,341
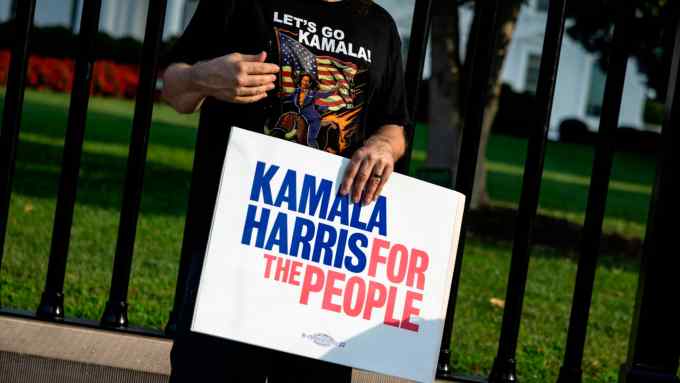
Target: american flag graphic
333,76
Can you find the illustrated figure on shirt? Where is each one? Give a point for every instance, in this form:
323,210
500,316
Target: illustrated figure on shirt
304,101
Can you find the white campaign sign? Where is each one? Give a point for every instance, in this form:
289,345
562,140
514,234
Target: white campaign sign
293,266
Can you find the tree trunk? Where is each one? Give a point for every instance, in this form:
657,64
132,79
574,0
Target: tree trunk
445,119
506,22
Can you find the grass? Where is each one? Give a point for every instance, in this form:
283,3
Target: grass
484,271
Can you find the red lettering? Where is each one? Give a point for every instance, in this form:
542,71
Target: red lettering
268,268
332,291
409,310
389,309
398,256
418,264
377,294
282,269
375,255
313,282
294,273
354,284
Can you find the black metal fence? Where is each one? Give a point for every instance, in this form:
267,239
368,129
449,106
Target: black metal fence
654,350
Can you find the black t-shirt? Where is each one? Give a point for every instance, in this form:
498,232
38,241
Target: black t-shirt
341,70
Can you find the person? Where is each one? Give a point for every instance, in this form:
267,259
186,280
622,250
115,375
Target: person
304,98
237,62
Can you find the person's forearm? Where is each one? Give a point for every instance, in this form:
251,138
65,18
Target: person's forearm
179,89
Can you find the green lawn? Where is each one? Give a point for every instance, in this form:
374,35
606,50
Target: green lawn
485,267
564,189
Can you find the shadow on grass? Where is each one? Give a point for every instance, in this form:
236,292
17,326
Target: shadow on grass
49,120
103,165
101,180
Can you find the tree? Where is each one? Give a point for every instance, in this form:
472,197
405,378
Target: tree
650,45
447,87
590,23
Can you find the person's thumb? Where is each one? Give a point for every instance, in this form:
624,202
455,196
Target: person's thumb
260,57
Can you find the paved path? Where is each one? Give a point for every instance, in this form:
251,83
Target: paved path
33,351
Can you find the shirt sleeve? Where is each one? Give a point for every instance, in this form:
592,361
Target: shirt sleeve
197,43
389,102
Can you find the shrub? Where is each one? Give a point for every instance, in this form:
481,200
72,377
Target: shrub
515,113
576,131
56,74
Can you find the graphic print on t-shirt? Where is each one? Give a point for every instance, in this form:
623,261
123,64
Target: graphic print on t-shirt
321,96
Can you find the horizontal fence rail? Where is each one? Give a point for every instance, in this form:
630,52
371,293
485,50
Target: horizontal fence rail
655,335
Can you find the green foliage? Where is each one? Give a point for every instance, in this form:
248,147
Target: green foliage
60,42
650,39
654,112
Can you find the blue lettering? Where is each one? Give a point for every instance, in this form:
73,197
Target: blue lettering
356,217
340,250
324,243
379,216
340,209
300,238
279,234
262,182
288,192
318,198
356,242
252,224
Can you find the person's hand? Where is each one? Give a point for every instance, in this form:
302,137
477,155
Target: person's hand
236,77
372,164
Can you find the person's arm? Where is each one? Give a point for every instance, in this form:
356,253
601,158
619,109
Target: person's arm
236,78
372,165
197,67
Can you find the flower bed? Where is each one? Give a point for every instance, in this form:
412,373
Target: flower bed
108,78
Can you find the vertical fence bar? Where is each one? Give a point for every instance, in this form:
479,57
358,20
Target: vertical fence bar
597,200
654,347
52,300
11,116
115,313
480,63
195,226
420,32
504,366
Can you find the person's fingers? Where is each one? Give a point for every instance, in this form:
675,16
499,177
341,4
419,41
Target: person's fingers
258,79
254,90
350,173
387,172
373,182
249,99
362,177
259,68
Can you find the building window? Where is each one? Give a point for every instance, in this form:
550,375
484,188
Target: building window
542,5
533,69
596,91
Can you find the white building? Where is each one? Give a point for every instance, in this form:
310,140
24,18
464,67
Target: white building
580,83
119,18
